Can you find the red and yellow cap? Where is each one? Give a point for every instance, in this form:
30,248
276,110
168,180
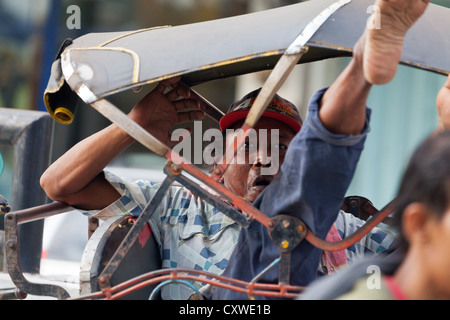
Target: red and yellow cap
279,109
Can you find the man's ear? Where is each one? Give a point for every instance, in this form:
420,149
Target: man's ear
415,223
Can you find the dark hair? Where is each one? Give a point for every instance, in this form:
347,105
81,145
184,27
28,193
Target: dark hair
426,180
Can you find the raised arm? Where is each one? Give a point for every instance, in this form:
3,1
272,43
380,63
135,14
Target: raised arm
77,176
375,59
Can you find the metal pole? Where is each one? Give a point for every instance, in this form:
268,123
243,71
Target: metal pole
29,133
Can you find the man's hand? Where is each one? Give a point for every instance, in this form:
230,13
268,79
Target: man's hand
443,106
167,105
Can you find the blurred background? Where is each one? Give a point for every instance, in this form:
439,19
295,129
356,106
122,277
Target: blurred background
31,32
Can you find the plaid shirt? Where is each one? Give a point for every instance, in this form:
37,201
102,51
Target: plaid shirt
192,234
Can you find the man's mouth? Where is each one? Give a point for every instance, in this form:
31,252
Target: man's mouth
261,182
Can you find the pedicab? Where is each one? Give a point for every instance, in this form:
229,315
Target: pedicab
96,66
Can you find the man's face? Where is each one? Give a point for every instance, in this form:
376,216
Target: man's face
247,174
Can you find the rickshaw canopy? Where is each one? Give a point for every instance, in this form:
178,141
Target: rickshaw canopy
97,65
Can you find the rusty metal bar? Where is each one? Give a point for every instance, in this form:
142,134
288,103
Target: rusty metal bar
133,234
12,221
224,207
40,212
115,115
255,289
206,106
353,238
220,189
285,268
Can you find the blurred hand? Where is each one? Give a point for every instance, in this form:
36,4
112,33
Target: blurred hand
167,105
443,106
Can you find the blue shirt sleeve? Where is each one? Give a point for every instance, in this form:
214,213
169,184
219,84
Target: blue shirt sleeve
315,176
311,186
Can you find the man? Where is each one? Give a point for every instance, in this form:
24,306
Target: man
323,155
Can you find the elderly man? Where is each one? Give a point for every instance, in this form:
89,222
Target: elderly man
317,164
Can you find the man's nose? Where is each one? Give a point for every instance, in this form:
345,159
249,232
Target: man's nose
262,159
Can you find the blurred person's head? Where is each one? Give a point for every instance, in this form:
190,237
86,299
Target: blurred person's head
422,215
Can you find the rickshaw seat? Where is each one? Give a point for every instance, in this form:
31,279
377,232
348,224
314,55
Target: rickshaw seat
143,257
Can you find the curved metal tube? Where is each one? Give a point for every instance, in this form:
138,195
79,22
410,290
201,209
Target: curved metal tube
353,238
